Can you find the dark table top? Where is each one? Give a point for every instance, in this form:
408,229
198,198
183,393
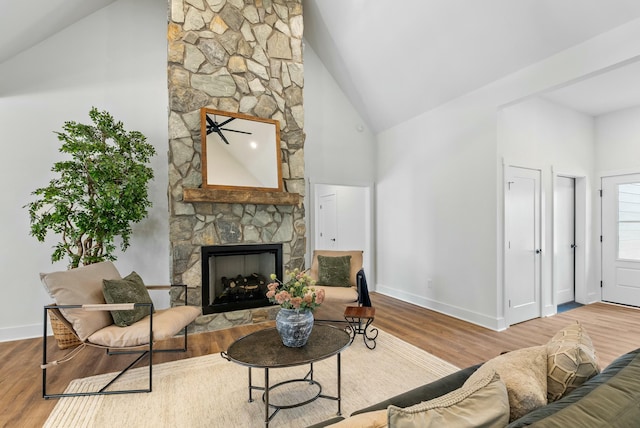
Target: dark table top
264,348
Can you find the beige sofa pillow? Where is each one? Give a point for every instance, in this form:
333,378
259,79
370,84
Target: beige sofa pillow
81,286
524,372
480,403
571,361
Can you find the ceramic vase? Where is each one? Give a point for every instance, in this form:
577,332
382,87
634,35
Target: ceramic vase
294,326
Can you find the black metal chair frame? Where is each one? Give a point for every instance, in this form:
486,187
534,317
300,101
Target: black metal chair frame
146,351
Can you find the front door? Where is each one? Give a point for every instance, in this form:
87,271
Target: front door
522,244
621,239
565,238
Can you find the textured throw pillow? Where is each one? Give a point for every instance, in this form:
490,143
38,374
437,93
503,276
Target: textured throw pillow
334,271
571,361
129,289
480,403
524,372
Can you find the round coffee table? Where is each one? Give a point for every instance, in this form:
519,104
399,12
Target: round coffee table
264,349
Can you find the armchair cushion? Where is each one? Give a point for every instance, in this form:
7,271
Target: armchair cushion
81,286
129,289
166,324
334,271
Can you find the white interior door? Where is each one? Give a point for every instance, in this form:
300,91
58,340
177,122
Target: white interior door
327,222
522,244
565,239
621,239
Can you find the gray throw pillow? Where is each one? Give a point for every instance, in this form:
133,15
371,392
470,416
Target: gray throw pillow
130,289
334,271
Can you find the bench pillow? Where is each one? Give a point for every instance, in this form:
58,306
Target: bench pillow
334,271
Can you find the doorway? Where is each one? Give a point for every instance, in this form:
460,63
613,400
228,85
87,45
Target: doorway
342,219
565,239
621,239
327,222
522,254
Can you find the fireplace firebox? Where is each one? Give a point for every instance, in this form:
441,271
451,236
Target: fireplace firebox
235,277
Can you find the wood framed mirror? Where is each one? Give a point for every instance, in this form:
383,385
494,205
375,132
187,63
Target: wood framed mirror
240,151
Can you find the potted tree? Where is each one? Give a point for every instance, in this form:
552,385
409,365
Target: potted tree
97,194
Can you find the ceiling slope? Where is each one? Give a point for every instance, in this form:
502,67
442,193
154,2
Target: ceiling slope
396,60
28,22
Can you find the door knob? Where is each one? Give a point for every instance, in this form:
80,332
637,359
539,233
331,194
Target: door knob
538,251
573,245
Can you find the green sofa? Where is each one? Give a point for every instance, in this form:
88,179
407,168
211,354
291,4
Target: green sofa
610,398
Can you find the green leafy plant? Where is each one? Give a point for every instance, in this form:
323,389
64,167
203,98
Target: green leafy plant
97,194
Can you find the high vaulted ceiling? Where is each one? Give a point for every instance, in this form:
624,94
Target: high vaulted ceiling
395,59
398,59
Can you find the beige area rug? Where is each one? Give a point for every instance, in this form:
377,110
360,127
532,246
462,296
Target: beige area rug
210,391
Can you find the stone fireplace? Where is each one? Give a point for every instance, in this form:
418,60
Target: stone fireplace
242,56
235,277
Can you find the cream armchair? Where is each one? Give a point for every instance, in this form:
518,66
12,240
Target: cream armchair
80,305
339,296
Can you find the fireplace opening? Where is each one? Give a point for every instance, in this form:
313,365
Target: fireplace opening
235,277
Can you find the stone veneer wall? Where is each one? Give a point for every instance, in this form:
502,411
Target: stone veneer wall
238,56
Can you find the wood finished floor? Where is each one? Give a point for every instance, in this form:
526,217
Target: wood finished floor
614,330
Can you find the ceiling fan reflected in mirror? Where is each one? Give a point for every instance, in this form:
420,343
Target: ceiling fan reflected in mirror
217,127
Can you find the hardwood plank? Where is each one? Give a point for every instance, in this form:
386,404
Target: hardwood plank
614,330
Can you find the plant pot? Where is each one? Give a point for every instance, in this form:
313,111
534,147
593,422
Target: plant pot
294,326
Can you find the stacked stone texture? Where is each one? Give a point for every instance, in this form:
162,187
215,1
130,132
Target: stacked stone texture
238,56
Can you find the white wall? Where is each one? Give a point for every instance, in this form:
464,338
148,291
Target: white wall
439,203
114,59
618,141
556,140
339,148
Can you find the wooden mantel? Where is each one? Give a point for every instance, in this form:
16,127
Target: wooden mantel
240,196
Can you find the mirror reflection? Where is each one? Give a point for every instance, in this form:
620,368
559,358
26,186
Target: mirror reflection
240,151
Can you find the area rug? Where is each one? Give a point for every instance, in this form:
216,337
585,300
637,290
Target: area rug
210,391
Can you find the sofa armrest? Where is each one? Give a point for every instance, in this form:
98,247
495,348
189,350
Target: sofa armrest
425,392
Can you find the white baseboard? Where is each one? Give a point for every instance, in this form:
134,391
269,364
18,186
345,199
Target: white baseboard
497,324
8,334
549,311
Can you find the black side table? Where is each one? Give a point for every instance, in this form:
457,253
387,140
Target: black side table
359,319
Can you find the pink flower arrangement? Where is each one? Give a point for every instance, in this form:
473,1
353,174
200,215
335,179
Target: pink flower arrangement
297,292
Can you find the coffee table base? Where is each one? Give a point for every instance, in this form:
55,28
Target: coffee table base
307,379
